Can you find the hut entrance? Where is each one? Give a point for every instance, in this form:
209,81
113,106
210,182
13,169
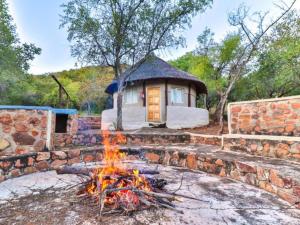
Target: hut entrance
153,104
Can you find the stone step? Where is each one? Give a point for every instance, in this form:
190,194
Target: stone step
278,176
282,147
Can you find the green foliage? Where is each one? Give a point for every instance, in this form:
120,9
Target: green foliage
14,59
277,72
85,86
120,32
210,61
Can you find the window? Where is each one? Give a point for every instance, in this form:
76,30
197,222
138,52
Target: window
177,95
131,96
61,123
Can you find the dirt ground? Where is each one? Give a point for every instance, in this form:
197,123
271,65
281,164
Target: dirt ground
49,199
212,129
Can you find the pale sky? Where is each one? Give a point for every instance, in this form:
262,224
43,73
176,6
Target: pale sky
37,22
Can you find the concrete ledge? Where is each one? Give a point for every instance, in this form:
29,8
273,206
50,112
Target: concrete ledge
265,100
262,137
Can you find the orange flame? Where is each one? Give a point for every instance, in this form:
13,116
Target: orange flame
109,175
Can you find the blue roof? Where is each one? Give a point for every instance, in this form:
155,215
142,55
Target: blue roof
46,108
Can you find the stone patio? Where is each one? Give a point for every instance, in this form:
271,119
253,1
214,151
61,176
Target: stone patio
47,198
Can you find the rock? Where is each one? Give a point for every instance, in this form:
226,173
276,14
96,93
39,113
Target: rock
43,156
191,161
44,122
74,153
296,105
222,172
236,109
29,170
19,150
287,196
88,158
74,160
39,145
59,155
245,168
20,117
5,165
99,156
34,121
30,161
174,159
34,133
296,190
93,140
250,178
19,164
4,144
57,163
5,119
152,157
42,165
219,162
275,179
261,175
15,173
23,138
21,127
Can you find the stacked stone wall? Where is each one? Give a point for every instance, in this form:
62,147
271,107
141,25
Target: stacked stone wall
280,117
23,131
89,123
264,177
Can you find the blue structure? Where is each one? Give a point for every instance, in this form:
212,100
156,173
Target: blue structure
46,108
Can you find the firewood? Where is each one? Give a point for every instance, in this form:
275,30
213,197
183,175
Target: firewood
89,171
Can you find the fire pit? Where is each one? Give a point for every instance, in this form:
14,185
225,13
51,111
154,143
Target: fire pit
122,191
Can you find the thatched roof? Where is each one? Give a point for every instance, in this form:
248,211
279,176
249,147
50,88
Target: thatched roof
153,67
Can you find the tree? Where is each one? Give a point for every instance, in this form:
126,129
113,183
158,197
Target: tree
278,72
236,54
121,32
14,56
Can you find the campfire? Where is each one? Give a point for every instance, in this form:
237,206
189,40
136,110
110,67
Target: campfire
117,189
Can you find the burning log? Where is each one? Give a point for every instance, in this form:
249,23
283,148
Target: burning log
89,171
118,189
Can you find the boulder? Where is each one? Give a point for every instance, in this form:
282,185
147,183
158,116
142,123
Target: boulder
23,138
4,144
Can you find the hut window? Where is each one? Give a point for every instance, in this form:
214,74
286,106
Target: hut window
131,96
177,95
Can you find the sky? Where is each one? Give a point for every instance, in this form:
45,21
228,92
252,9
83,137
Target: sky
38,22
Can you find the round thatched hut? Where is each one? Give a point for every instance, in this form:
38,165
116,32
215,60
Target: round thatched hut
157,93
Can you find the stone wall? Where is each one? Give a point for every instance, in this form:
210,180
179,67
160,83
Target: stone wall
264,177
95,138
279,116
89,123
23,131
262,145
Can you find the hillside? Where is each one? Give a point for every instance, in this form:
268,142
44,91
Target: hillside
85,86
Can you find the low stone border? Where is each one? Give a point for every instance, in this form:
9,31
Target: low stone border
264,177
262,145
205,139
92,138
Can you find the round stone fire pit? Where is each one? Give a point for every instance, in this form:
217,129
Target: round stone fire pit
49,198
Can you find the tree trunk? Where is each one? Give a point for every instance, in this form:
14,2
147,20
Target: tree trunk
119,111
222,103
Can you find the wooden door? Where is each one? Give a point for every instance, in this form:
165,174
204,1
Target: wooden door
153,104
